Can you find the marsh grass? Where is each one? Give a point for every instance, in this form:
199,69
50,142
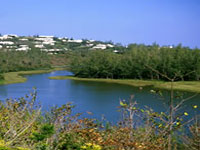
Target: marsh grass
18,77
187,86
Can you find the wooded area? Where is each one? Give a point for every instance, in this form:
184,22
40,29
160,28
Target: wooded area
21,61
138,62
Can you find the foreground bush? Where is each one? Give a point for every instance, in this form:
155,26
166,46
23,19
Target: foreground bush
24,127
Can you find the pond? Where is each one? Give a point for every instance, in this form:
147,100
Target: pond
102,99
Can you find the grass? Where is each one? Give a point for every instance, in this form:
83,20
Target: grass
188,86
18,77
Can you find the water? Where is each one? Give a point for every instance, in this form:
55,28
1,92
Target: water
99,98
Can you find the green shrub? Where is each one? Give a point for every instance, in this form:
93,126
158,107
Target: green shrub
46,131
1,77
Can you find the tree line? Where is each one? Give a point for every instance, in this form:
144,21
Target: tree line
139,62
19,60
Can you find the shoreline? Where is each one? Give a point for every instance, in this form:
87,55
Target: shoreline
18,77
187,86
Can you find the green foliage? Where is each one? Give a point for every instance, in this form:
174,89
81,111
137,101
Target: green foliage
1,77
46,131
135,63
69,141
41,146
22,61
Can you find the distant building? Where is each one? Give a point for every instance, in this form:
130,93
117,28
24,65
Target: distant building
11,46
46,36
100,46
116,51
89,45
23,39
23,48
110,45
5,37
6,42
39,46
169,46
46,40
49,42
75,41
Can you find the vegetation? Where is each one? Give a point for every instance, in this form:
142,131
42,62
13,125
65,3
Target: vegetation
138,62
18,77
24,127
11,61
188,86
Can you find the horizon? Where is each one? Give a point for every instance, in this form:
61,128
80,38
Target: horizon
100,40
133,21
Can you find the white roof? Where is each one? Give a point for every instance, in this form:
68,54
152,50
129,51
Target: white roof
23,49
46,36
76,41
23,39
6,42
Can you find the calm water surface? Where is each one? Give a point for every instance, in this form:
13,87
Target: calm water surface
99,98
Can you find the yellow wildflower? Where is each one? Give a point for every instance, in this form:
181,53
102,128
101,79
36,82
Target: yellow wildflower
195,106
96,147
2,143
84,147
122,104
185,113
177,123
88,144
134,108
21,148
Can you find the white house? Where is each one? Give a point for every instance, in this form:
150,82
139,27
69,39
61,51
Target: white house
46,36
39,46
5,37
75,41
116,51
6,42
110,45
23,48
45,50
89,45
48,40
23,39
100,46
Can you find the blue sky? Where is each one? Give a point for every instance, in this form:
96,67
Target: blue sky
166,22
